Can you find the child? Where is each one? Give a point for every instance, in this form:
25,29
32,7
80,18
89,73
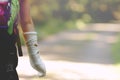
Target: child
8,50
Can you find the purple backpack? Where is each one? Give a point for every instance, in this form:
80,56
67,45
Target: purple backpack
8,19
4,13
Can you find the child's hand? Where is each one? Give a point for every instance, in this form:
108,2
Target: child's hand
34,54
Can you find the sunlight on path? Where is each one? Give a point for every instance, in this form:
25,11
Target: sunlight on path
64,70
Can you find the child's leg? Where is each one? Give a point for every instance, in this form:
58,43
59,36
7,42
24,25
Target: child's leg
8,64
8,57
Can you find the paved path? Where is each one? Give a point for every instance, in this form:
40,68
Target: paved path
76,55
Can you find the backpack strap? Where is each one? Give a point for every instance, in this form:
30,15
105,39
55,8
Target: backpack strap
16,32
19,47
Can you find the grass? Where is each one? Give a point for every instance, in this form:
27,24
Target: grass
53,27
116,51
116,54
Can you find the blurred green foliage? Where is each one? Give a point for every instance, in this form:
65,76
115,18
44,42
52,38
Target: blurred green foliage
51,16
116,50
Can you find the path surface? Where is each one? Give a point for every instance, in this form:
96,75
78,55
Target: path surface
76,55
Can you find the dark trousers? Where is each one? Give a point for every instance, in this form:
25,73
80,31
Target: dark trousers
8,57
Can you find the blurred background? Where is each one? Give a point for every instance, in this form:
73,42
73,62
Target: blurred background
79,40
55,15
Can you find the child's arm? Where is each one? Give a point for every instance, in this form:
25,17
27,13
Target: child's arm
30,36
